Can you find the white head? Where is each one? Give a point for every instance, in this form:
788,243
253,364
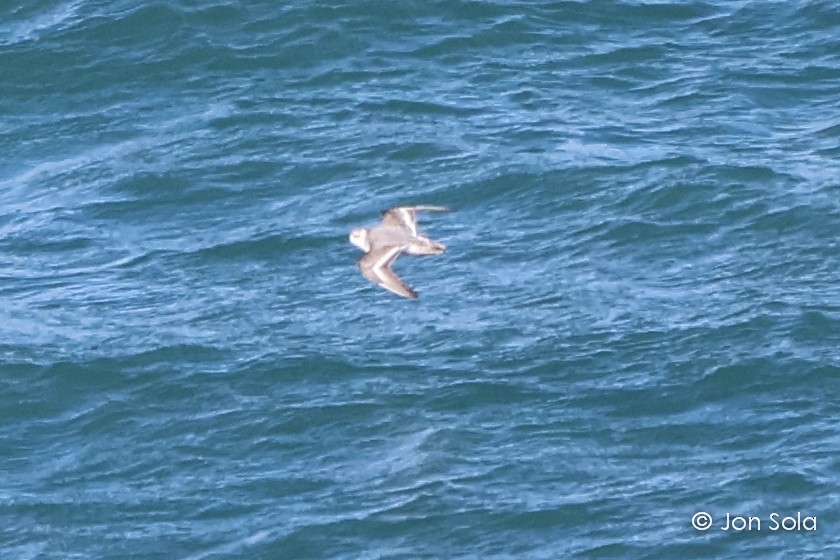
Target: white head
359,238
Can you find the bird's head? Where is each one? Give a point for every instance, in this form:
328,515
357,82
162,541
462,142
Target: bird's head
359,238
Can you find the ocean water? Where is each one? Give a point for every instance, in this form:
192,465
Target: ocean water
637,319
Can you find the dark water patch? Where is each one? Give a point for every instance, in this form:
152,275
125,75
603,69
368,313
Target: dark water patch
753,377
828,130
149,187
785,221
744,173
629,232
31,244
505,31
420,151
136,27
672,201
264,249
817,16
645,56
790,484
219,15
816,325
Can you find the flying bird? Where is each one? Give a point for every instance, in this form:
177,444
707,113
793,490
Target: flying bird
397,233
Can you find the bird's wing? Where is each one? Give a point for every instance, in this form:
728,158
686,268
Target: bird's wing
401,217
406,216
376,267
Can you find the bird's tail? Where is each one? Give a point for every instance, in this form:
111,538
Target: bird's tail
425,246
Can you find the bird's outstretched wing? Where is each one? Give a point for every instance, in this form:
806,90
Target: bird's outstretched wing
376,267
406,216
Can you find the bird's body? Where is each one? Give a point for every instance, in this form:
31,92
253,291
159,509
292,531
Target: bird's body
397,233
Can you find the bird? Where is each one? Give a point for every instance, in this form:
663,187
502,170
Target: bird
396,234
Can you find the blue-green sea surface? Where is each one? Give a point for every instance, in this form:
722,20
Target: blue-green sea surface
636,322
